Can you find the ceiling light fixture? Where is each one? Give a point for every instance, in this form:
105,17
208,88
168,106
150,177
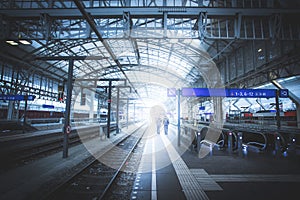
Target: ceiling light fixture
15,43
26,42
11,42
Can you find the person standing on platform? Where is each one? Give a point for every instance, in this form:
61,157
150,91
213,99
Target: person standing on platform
166,124
158,125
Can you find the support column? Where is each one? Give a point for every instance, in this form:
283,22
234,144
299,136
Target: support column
109,108
237,24
190,112
10,110
117,115
293,97
67,125
127,113
91,113
202,23
25,110
134,113
165,23
178,117
218,113
277,110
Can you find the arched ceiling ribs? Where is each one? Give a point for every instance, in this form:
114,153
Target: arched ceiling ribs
106,71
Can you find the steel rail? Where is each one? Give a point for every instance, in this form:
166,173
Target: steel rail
103,195
87,165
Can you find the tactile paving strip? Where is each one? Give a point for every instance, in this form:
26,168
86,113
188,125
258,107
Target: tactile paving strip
191,188
205,180
256,178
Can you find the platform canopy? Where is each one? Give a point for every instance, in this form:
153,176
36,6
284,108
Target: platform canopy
154,44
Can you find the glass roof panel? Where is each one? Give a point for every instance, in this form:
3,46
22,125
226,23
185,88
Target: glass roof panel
147,63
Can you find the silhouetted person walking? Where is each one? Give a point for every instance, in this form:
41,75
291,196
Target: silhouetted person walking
166,124
158,125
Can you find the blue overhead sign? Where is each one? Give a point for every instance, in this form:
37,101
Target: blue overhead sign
203,92
251,93
202,108
10,97
284,93
47,106
238,93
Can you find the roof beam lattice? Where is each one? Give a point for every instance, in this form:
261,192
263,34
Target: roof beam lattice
107,47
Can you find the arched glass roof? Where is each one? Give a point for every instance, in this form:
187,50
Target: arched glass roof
151,65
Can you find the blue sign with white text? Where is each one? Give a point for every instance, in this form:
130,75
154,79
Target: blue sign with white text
240,93
251,93
17,97
283,93
48,106
202,108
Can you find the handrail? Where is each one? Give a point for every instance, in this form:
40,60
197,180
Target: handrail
263,146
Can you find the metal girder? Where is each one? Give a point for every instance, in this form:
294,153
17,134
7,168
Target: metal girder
130,99
142,3
10,86
282,67
148,69
201,26
46,24
275,25
292,96
100,79
138,12
211,24
32,67
237,25
71,58
91,22
115,86
128,24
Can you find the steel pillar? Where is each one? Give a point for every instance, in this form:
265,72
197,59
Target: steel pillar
178,117
118,102
109,108
91,113
293,97
298,115
277,110
127,113
67,125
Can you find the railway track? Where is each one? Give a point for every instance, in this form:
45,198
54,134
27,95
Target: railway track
18,153
94,181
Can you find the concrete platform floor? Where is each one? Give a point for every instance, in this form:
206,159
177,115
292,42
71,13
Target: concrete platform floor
171,172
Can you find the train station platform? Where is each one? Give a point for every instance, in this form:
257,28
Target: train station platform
169,171
48,128
15,135
33,180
